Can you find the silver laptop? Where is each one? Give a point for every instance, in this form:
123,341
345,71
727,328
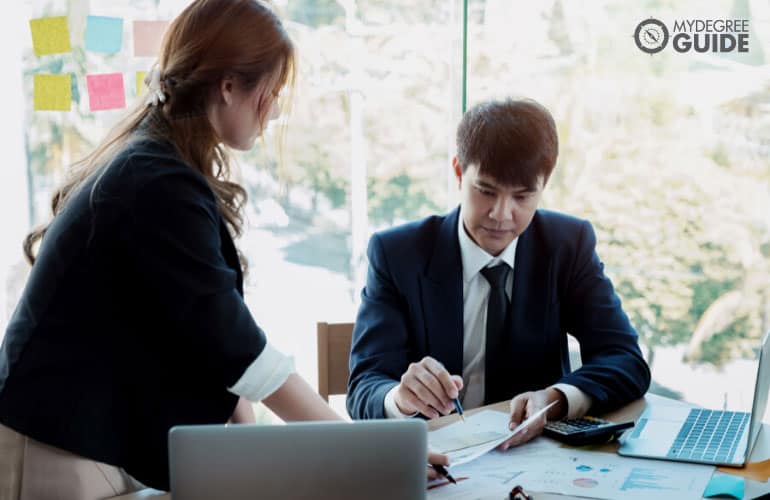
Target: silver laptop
375,459
702,435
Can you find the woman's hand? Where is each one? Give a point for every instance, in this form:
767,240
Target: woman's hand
438,459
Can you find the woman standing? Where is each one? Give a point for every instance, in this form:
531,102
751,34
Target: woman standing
133,319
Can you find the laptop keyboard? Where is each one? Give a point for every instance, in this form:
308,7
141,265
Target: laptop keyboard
709,435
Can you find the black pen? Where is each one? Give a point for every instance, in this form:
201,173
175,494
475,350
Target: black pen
443,472
459,408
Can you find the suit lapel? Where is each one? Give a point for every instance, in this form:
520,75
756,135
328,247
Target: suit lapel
530,296
442,297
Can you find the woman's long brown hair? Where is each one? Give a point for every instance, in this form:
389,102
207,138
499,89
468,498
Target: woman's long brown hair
209,40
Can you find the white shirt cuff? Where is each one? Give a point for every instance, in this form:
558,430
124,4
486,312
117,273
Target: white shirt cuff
578,402
265,375
391,409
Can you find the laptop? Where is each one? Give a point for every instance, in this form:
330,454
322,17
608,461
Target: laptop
374,459
701,435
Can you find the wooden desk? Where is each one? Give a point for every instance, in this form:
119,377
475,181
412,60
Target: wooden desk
628,412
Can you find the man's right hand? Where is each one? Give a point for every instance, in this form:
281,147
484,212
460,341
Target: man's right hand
427,388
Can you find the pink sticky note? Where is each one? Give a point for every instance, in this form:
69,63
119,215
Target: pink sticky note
148,36
106,91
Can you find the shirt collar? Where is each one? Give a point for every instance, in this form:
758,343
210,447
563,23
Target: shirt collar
474,258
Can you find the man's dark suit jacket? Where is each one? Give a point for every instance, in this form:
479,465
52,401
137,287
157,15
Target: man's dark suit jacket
132,320
412,306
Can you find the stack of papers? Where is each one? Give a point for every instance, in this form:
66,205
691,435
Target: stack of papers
466,441
480,433
544,465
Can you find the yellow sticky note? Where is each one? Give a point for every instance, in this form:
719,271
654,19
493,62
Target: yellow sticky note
50,35
141,88
53,92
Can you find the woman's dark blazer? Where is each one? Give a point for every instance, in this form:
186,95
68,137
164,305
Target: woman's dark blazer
132,320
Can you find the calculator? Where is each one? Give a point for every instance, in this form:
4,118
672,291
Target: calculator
586,430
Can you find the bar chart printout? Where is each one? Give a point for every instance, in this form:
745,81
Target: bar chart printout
645,479
605,475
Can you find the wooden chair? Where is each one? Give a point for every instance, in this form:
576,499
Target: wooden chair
333,357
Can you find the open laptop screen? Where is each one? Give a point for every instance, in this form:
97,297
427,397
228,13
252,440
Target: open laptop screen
375,459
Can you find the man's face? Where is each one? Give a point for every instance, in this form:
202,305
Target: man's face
494,214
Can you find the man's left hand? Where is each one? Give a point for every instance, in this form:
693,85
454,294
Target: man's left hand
528,403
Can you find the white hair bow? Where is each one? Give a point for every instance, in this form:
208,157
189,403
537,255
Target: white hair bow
156,94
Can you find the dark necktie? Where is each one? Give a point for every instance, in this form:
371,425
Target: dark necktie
497,313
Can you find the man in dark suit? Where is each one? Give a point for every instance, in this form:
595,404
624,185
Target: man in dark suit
477,303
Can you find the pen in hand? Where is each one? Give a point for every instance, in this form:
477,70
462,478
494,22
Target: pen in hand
459,408
443,472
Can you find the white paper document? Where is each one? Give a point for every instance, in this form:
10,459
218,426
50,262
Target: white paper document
465,489
607,475
543,465
493,475
464,441
480,433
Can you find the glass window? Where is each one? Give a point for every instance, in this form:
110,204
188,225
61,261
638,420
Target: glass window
667,156
366,144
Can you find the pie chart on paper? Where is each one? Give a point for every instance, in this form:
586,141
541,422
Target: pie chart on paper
585,482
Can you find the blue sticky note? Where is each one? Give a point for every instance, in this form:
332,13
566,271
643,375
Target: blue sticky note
104,34
725,485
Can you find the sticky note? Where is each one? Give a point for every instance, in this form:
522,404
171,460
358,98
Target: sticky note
141,88
725,485
50,35
106,91
147,37
104,34
52,92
